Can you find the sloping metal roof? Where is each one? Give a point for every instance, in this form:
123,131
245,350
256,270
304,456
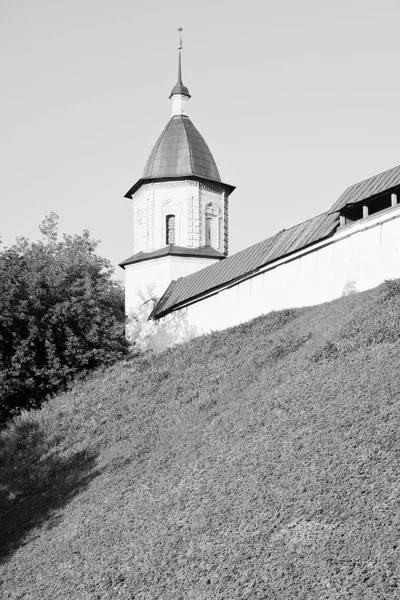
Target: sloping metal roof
181,151
245,262
172,250
368,188
179,88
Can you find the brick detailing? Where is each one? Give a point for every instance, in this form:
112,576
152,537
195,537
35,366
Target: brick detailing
190,222
211,188
150,231
226,225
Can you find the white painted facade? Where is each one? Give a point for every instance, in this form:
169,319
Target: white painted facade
150,278
200,211
192,203
179,104
357,257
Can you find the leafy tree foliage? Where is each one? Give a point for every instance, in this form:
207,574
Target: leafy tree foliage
61,314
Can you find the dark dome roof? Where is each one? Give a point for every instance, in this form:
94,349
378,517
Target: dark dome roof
179,88
181,150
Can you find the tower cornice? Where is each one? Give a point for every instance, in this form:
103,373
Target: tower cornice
159,180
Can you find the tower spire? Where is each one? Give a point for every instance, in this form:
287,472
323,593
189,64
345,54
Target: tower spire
180,29
179,89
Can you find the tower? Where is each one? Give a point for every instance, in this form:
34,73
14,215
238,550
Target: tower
180,207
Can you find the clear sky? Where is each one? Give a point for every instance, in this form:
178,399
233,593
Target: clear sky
296,100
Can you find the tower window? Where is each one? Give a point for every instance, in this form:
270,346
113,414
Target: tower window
170,229
208,236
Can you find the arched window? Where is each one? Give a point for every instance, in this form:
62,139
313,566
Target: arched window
208,231
212,226
170,229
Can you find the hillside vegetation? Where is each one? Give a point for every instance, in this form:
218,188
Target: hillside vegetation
261,462
61,315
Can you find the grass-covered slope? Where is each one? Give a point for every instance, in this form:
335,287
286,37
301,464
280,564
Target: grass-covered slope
261,462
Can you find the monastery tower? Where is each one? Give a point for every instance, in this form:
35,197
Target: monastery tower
180,207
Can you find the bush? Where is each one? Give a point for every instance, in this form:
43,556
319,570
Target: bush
60,314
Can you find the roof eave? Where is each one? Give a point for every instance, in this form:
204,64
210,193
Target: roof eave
180,91
143,180
189,254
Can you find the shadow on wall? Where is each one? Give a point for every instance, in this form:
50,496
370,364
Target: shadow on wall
36,480
145,335
349,288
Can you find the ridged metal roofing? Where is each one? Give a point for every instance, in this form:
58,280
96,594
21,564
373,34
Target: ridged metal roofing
245,262
369,187
172,250
181,150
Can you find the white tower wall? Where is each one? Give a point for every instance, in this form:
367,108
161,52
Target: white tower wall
150,278
198,208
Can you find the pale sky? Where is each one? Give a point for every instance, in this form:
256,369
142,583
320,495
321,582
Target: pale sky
296,100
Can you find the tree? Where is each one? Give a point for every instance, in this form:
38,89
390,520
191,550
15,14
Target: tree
61,314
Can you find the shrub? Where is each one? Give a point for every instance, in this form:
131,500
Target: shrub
60,314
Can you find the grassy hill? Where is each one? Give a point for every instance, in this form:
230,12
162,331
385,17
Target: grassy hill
261,462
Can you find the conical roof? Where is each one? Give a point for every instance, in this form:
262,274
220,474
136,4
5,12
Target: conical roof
181,151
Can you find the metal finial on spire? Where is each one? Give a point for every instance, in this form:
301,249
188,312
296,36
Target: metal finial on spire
179,88
179,56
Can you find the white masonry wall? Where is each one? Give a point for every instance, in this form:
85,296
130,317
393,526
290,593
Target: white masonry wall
191,202
358,257
150,278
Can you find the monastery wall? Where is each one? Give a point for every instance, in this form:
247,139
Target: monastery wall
358,257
